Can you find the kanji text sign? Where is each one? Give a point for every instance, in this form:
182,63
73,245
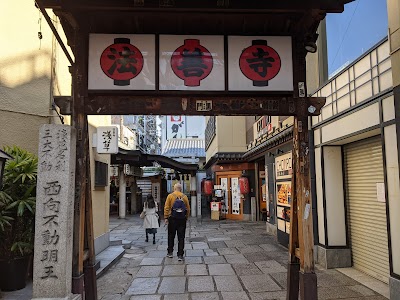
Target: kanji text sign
54,212
121,62
107,139
260,63
192,62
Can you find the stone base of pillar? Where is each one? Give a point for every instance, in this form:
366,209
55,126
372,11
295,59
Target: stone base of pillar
78,284
293,281
308,286
394,286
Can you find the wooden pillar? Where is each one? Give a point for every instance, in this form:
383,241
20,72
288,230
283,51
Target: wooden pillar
193,194
122,194
83,273
89,264
79,121
301,245
134,196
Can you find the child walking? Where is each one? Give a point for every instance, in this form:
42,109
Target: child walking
150,222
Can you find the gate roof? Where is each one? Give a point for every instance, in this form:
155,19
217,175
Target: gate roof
239,17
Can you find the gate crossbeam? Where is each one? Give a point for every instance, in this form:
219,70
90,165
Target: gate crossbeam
202,105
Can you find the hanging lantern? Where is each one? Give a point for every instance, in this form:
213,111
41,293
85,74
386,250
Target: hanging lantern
244,185
208,187
202,186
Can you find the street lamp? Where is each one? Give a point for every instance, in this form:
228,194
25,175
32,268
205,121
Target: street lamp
3,157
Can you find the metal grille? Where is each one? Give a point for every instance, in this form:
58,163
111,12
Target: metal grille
366,215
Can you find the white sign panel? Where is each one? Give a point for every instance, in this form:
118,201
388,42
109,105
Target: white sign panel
283,166
192,63
260,63
176,127
224,186
107,139
121,62
380,192
235,196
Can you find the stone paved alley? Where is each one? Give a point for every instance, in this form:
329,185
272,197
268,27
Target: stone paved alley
224,260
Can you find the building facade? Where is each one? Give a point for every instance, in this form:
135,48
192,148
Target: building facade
356,141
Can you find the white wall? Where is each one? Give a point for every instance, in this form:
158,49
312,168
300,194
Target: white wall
334,196
392,169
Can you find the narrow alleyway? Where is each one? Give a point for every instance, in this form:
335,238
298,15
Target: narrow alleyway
224,260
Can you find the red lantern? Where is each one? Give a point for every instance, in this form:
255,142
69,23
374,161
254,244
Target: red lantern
208,187
202,185
244,185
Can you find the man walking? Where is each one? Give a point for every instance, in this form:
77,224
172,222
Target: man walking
176,213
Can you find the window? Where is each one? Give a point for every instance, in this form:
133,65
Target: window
100,174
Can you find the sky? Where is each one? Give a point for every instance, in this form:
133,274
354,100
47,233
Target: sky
351,33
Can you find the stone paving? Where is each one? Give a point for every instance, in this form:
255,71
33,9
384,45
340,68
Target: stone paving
226,260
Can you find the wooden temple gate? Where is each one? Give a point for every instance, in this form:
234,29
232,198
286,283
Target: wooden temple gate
297,20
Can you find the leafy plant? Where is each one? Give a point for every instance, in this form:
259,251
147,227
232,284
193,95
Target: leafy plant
17,204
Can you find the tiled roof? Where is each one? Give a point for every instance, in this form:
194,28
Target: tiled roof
184,148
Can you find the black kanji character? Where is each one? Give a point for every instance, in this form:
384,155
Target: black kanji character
125,61
49,272
261,62
192,63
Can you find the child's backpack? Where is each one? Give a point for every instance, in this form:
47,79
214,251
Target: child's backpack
179,209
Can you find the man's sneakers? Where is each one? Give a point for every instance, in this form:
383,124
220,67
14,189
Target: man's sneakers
180,257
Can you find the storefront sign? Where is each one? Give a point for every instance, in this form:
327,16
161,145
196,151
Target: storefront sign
113,171
121,62
266,190
192,63
107,139
284,193
283,166
283,169
176,127
262,126
224,187
235,196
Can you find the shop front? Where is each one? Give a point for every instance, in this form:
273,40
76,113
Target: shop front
225,177
271,153
283,183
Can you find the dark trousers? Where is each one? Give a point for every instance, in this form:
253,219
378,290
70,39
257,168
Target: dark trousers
176,226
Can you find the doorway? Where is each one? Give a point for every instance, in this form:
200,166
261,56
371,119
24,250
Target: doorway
229,182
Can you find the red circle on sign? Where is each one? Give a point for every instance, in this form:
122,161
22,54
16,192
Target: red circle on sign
260,63
192,62
121,61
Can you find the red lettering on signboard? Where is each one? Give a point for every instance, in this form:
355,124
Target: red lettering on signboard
260,63
121,61
192,62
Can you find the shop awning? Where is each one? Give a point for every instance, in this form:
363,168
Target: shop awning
138,159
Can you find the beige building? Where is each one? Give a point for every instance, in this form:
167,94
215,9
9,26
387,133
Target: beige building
32,71
356,142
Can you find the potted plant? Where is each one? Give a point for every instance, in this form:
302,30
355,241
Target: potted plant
17,218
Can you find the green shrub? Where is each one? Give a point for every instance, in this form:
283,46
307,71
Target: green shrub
17,204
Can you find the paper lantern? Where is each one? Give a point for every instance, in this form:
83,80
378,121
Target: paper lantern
208,187
244,185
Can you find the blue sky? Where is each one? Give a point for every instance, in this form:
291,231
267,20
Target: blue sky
351,33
